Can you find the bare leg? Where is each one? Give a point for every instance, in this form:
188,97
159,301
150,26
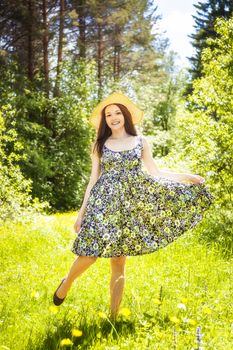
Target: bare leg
80,264
117,284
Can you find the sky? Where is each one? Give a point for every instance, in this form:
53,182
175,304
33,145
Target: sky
178,23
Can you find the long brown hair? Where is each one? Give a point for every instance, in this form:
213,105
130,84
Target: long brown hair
104,131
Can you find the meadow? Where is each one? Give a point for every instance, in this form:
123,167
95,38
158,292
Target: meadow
179,297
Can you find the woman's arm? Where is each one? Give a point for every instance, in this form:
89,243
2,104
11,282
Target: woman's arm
155,171
95,173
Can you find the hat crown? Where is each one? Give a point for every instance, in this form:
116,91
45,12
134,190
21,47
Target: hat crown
116,97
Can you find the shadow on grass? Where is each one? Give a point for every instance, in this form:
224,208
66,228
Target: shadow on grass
92,332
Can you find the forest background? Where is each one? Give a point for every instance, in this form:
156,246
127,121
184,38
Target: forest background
59,58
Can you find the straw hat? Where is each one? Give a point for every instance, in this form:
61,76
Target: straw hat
116,97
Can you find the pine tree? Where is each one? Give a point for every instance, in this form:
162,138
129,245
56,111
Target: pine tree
207,12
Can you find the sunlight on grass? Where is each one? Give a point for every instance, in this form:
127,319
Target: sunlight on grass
179,296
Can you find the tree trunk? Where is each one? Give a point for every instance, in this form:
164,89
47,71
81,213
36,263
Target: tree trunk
30,39
45,46
99,59
60,47
82,30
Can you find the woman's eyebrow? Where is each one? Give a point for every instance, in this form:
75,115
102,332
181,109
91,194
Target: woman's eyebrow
117,110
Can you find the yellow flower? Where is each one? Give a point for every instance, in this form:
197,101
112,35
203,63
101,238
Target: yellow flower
66,341
98,201
207,310
125,247
53,309
124,312
35,294
102,314
192,322
132,234
184,300
193,208
174,319
151,189
127,204
76,332
140,219
126,230
167,230
157,301
162,213
137,247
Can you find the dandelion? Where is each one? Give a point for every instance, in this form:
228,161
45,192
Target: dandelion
76,332
66,341
35,294
206,310
174,319
102,314
124,311
192,322
184,300
157,301
53,309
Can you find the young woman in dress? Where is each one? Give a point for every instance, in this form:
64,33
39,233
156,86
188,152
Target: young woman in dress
114,119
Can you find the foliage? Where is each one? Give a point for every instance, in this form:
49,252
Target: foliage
207,13
16,203
204,134
54,133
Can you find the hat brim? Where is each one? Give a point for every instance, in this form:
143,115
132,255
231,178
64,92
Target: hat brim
116,97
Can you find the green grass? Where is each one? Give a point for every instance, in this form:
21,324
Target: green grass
168,294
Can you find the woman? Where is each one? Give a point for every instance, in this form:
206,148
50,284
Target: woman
125,210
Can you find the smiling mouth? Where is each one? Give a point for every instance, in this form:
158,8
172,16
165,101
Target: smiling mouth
115,123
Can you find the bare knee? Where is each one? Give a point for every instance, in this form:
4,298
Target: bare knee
118,263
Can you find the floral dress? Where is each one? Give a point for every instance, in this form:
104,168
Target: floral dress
130,212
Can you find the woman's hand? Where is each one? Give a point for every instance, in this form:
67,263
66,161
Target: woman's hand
77,224
196,179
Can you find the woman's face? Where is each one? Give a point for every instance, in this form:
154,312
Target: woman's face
114,117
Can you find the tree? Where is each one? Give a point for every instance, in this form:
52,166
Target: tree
207,13
204,134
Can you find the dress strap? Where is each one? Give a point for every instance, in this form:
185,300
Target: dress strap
140,141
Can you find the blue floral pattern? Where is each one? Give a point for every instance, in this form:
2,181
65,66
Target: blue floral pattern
130,212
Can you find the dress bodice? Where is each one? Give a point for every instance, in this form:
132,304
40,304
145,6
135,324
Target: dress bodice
118,161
